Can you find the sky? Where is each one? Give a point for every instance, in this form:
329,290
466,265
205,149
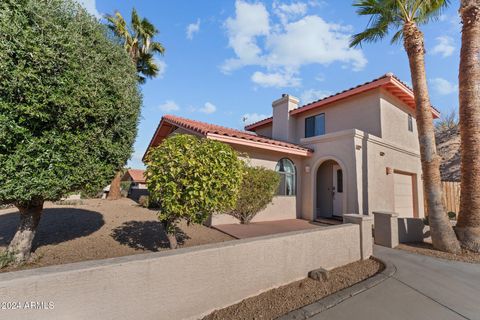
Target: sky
226,61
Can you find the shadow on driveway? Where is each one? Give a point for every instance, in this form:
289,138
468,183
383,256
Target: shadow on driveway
57,225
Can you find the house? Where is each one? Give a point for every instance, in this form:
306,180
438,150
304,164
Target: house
138,186
356,151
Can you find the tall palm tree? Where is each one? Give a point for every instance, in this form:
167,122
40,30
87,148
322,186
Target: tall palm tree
468,226
138,41
404,17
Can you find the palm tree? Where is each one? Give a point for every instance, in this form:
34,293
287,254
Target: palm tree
404,17
468,225
138,41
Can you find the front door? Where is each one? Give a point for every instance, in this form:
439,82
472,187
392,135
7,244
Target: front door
337,190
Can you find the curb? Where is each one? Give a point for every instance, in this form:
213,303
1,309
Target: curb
332,300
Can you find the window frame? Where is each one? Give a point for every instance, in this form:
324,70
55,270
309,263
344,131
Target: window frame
410,123
314,125
283,177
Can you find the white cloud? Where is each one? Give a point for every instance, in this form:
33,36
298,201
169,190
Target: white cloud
283,49
277,79
286,12
311,95
249,118
251,20
91,7
443,86
169,106
208,108
193,28
445,46
162,68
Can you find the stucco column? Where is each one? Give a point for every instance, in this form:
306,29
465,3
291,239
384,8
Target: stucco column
365,223
386,229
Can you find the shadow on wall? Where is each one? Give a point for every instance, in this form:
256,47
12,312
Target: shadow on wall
412,230
145,235
57,225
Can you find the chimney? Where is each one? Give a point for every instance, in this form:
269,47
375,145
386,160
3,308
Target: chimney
283,128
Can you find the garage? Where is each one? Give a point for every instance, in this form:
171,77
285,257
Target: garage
404,195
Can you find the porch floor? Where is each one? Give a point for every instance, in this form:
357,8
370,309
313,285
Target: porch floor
257,229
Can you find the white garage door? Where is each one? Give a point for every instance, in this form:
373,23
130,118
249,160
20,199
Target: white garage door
403,195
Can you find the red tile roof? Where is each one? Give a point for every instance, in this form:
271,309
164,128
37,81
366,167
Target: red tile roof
137,175
203,128
389,81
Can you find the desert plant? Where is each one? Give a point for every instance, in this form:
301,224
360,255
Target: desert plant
404,18
259,185
144,201
447,121
452,215
6,258
69,107
192,179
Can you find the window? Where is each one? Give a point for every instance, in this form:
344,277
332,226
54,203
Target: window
315,126
339,181
410,123
286,169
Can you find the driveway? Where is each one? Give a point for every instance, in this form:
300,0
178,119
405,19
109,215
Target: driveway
422,288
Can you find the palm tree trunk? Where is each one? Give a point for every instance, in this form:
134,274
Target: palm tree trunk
443,236
115,193
468,225
21,244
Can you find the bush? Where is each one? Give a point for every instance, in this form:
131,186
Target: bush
259,186
192,179
452,215
6,258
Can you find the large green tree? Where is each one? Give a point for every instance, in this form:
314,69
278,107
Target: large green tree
69,107
138,41
404,17
468,226
191,179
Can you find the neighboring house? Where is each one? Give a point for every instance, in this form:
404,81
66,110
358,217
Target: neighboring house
138,186
356,151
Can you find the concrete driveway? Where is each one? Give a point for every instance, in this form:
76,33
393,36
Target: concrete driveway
422,288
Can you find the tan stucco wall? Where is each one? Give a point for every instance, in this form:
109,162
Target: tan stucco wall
265,131
394,114
282,207
185,283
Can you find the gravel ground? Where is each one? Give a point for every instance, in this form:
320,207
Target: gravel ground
99,229
277,302
428,250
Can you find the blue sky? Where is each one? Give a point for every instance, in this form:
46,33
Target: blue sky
226,60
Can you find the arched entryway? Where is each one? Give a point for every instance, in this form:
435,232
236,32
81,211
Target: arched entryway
330,190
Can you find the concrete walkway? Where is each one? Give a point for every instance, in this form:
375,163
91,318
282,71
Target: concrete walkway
422,288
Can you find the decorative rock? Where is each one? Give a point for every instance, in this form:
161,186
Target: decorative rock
319,274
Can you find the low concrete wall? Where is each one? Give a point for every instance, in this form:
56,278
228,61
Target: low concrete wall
179,284
281,208
390,230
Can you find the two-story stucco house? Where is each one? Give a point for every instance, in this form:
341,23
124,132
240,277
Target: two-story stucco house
356,151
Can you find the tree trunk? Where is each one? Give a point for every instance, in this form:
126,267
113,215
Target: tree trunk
468,225
21,244
115,192
443,236
170,230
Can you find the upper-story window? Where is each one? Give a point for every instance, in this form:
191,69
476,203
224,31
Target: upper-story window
286,169
315,125
410,123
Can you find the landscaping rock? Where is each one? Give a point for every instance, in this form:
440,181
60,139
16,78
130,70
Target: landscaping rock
319,274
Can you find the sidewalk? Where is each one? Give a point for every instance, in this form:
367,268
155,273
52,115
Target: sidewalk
422,288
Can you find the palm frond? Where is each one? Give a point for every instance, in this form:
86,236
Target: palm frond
429,10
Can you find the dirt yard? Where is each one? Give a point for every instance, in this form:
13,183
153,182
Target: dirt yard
427,249
277,302
99,229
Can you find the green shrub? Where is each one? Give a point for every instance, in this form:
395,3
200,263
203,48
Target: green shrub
452,215
6,258
192,179
259,186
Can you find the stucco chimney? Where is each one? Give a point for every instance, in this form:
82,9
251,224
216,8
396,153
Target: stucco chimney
283,128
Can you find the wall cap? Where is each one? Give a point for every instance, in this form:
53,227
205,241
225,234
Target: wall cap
386,213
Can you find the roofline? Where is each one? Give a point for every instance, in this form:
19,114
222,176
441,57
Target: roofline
346,94
259,145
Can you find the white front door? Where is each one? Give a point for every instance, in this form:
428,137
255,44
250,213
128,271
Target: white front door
337,190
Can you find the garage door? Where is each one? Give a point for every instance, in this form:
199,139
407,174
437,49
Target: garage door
403,189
